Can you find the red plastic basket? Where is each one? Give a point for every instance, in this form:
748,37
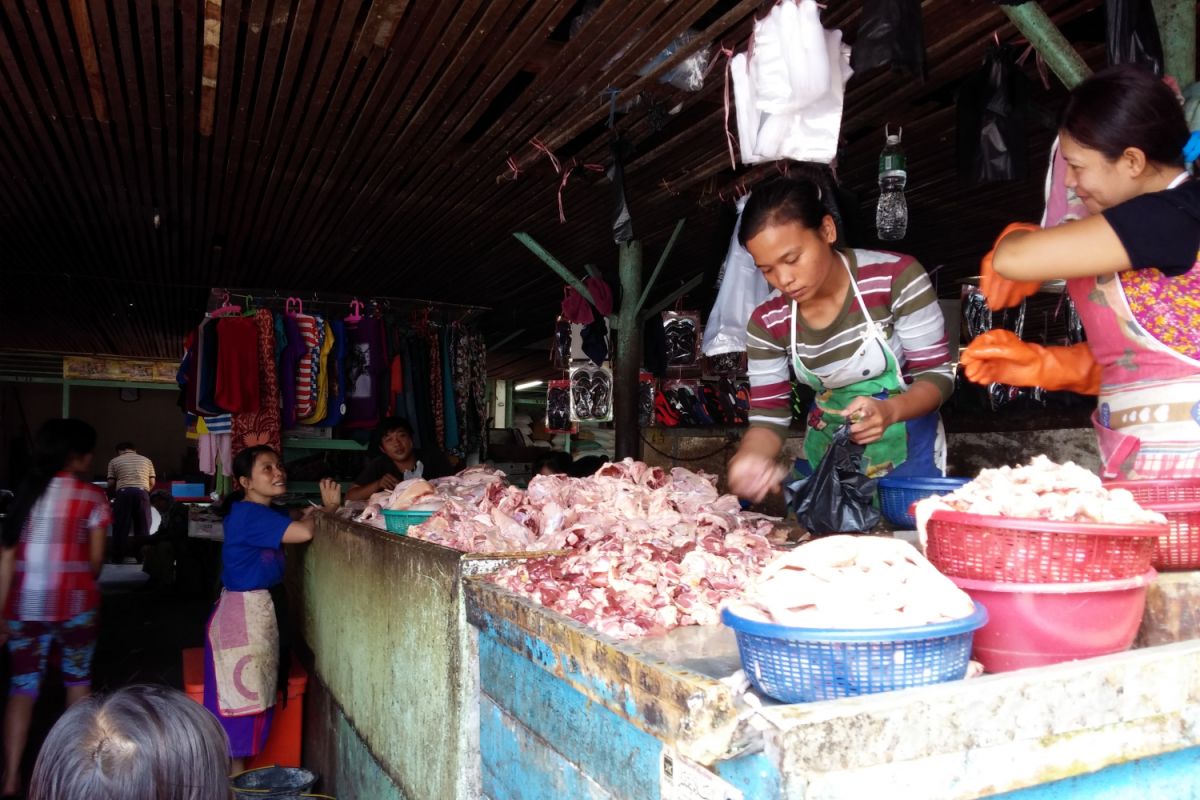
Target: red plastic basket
1014,550
1179,502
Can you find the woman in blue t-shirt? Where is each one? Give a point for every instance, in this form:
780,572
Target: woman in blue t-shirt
245,647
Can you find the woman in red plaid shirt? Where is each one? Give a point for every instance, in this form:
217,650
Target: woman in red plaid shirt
53,551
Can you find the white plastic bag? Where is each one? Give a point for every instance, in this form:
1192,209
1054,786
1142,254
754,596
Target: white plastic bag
743,288
789,96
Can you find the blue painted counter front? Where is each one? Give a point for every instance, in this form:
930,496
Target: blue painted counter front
565,713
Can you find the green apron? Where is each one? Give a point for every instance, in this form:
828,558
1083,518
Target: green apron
891,450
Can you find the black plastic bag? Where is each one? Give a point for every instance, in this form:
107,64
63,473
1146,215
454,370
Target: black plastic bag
992,107
837,497
622,220
1133,34
890,33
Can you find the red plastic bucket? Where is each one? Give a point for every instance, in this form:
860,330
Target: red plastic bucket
1032,625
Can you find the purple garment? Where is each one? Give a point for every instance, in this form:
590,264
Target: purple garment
247,735
366,373
288,362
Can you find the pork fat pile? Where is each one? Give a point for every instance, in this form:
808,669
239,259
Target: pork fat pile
1041,490
848,582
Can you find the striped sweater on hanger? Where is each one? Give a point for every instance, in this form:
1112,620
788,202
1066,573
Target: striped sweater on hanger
306,369
899,296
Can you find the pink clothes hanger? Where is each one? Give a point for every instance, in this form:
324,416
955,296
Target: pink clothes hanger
226,309
356,308
293,306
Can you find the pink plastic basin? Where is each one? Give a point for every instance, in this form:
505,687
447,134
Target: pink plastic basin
1034,624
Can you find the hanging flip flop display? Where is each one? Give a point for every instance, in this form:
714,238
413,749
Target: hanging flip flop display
591,394
558,407
682,331
646,400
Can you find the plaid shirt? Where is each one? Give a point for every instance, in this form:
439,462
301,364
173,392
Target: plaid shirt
53,580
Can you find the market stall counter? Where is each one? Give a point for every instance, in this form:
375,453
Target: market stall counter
568,712
392,705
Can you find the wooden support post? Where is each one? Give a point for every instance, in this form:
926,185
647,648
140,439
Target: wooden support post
1177,30
629,352
554,264
658,267
1031,20
665,303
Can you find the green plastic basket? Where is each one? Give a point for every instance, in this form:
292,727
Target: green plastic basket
400,521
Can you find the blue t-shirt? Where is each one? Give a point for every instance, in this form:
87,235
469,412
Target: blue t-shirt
252,556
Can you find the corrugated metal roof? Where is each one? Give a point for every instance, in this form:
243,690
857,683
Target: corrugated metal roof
363,147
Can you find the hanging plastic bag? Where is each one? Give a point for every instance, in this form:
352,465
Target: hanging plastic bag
1133,34
742,289
890,33
837,497
789,95
687,74
991,106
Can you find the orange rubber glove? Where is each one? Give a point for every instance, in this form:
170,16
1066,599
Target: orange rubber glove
1000,292
1000,357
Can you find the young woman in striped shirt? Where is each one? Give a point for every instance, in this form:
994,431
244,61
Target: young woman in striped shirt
862,328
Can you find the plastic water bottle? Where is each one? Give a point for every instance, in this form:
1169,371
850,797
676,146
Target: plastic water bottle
891,214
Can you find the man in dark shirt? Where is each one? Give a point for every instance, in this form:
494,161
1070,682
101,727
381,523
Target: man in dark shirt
396,460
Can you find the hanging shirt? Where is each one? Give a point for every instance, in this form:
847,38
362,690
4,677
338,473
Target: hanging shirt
288,363
306,368
207,352
899,296
366,370
321,391
237,364
337,375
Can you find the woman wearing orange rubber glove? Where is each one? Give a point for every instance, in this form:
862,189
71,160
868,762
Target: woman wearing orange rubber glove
1132,269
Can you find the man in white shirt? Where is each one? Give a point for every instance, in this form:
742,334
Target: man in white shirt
130,479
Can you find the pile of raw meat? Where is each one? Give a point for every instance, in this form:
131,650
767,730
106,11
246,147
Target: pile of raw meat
1041,490
467,487
853,582
649,551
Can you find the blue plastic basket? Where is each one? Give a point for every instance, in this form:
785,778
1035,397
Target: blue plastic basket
896,496
800,665
400,521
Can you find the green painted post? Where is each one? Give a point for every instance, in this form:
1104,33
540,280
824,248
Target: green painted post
1177,30
1047,39
629,352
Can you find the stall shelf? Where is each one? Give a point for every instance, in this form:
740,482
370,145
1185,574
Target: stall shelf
393,695
567,712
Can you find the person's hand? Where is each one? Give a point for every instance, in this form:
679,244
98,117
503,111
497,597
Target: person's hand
1001,292
331,494
753,476
869,417
388,482
1000,356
